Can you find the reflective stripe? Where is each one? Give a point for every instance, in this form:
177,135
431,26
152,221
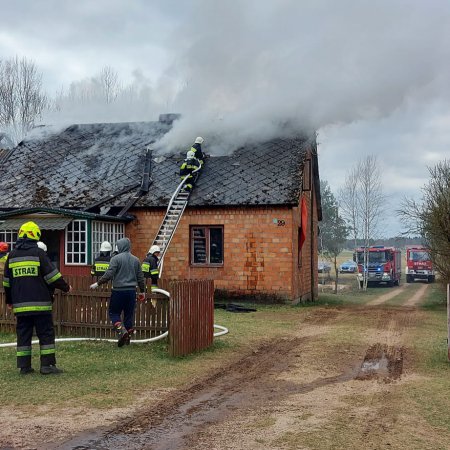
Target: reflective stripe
31,308
6,282
47,346
24,348
145,267
155,272
24,353
26,263
48,351
101,267
53,279
24,258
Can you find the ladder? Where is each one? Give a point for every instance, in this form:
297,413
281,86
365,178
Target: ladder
175,210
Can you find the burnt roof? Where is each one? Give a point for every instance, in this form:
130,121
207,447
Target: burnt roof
85,164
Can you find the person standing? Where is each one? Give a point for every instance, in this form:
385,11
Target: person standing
3,256
125,272
29,276
101,262
150,265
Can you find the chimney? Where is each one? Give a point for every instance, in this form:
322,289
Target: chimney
169,118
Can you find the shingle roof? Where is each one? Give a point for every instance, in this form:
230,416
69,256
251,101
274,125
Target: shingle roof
86,163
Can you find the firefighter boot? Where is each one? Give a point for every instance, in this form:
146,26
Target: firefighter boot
121,333
50,370
26,370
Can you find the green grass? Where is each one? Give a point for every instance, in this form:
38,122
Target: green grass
101,375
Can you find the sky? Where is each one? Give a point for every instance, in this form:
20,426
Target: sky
370,77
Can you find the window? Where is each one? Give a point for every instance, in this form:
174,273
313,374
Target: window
106,231
8,236
76,242
207,245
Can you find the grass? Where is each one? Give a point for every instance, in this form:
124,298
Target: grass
101,375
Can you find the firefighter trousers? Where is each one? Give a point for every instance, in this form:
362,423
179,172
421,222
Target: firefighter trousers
43,323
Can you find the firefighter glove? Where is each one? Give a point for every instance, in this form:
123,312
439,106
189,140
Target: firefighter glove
94,286
141,297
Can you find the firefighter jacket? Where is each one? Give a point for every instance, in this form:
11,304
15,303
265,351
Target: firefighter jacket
150,268
29,277
3,258
188,166
101,264
197,149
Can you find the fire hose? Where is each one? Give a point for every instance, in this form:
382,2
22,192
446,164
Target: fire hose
135,341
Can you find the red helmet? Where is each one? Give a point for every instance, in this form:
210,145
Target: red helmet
3,247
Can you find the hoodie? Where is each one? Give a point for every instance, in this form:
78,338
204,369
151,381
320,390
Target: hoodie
124,269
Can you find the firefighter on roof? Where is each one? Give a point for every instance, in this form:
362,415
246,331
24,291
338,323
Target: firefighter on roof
190,164
197,149
150,265
29,274
101,262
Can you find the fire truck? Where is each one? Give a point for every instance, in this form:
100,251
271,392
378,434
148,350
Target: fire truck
418,264
384,264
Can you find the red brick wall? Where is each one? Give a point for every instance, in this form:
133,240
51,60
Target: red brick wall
260,249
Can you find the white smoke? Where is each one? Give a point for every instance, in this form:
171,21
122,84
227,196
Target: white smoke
250,67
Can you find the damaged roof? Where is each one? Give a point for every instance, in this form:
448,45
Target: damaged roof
87,164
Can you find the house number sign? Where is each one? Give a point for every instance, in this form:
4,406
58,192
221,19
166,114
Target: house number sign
279,222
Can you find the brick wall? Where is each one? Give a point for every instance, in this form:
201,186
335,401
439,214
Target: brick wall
260,249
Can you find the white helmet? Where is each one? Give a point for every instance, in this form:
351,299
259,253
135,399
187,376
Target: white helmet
199,140
154,249
105,247
40,244
190,154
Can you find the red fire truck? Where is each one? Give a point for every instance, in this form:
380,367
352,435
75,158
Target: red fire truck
384,264
418,264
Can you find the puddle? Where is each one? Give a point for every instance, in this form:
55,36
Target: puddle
383,362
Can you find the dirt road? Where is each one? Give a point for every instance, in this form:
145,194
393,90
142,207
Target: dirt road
333,384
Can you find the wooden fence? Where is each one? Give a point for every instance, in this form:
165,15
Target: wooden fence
84,312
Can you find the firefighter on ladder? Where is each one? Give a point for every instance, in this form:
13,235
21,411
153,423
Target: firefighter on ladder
197,149
190,164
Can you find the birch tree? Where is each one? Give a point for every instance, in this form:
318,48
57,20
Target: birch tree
22,99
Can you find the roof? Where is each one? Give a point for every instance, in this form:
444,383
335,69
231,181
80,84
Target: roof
46,223
86,164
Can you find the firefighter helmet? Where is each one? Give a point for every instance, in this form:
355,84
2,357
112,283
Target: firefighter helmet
30,230
42,245
3,247
105,247
190,154
199,140
154,249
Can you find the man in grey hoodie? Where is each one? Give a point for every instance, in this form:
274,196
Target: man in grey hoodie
125,272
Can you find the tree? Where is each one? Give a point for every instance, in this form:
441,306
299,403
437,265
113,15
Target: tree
430,217
333,230
362,200
22,100
348,202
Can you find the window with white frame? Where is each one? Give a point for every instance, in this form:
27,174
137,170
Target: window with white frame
76,242
8,236
106,231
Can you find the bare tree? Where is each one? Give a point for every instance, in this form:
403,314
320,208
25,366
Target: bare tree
22,100
109,83
430,218
348,203
370,201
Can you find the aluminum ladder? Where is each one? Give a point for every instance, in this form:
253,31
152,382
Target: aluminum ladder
175,210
